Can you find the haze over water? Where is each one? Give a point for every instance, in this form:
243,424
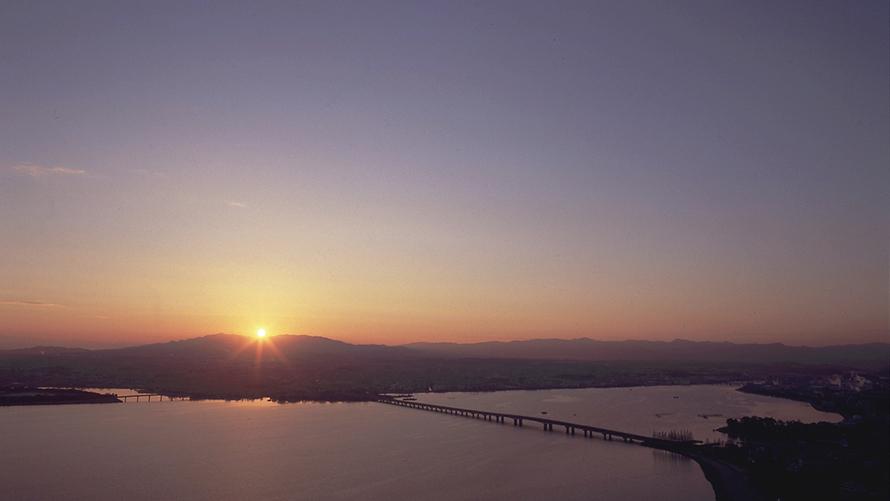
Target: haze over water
641,410
217,450
238,450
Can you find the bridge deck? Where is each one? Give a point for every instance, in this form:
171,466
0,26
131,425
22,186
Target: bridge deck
547,423
158,397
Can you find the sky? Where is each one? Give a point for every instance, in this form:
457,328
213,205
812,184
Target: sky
392,172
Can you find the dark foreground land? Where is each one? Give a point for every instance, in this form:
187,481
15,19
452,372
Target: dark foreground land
792,460
17,395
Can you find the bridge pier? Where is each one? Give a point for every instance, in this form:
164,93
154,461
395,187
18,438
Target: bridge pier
570,428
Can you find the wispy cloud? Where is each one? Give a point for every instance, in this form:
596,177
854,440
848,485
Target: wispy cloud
240,205
34,170
29,304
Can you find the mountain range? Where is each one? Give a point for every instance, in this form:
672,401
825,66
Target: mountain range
297,367
872,355
679,350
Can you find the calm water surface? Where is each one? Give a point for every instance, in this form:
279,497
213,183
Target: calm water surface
368,451
642,410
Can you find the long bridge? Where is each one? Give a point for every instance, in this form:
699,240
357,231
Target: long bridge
158,397
546,424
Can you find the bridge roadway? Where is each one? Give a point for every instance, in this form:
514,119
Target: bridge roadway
137,396
547,424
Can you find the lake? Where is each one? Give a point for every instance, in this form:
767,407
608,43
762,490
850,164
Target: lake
641,410
261,450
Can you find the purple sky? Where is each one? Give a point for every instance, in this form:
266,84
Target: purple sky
395,171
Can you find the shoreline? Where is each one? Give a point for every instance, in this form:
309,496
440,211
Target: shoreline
30,396
64,402
729,482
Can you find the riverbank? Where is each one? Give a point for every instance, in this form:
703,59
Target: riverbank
45,396
729,482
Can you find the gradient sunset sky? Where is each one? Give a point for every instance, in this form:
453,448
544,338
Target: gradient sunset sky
462,171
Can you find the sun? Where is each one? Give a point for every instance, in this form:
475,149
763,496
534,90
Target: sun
261,332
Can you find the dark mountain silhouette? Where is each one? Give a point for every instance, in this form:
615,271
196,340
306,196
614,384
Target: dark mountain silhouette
296,368
288,367
233,345
43,350
227,346
873,355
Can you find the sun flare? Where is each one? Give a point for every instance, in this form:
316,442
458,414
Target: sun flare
261,333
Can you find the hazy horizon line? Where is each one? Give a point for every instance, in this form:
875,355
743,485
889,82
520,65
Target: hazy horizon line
98,347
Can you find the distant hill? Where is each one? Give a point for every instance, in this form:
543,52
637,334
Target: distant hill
233,345
292,347
293,368
873,355
43,350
